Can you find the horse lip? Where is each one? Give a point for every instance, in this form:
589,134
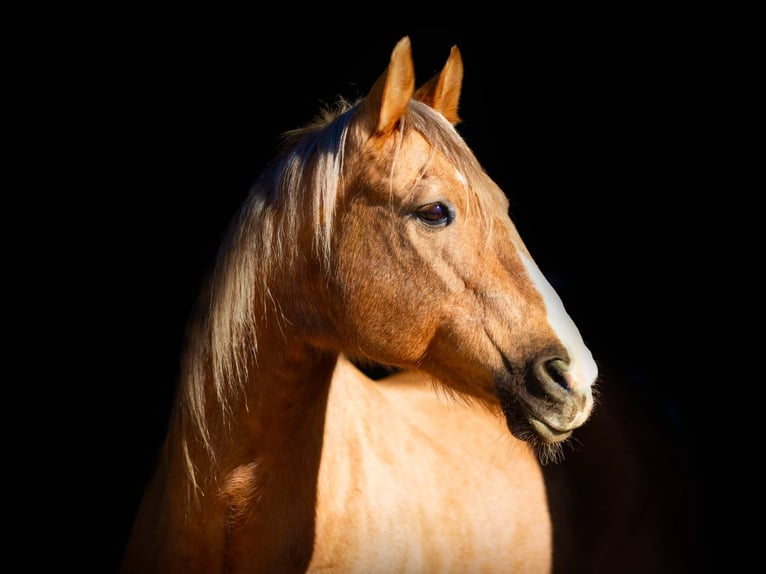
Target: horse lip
547,432
528,412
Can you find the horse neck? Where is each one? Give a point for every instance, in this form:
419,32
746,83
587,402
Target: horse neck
285,397
270,442
254,361
278,413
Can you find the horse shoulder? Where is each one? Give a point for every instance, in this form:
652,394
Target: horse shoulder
412,480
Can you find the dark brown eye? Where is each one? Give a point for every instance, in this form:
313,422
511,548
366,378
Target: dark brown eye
434,214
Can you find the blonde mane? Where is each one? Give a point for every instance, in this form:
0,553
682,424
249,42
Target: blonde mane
308,171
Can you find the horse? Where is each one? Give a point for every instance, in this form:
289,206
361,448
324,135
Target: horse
375,237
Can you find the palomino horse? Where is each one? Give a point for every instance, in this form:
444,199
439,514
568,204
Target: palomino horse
375,236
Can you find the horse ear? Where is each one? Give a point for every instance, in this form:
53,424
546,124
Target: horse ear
392,91
442,92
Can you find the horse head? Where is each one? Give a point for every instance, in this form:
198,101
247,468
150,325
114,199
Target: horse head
428,271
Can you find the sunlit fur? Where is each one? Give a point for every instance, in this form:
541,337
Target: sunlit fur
262,244
281,455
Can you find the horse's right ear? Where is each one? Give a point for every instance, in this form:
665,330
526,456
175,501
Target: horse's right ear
388,98
442,92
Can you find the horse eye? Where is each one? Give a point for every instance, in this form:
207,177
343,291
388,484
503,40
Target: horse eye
434,214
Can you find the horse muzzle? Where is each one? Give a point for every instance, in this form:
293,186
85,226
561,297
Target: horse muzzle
547,400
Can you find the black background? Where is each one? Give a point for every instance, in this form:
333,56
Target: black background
595,135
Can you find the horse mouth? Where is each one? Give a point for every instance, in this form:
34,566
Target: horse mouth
548,433
540,421
532,428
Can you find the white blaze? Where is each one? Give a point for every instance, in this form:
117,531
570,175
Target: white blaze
582,366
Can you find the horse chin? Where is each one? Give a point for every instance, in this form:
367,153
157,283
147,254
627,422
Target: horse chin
546,441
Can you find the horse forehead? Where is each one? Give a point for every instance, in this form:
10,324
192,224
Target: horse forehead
405,161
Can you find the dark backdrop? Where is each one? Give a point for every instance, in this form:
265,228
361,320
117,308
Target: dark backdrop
593,135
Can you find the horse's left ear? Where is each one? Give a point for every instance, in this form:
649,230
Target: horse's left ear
442,92
389,96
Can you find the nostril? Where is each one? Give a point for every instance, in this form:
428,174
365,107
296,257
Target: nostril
556,369
551,380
